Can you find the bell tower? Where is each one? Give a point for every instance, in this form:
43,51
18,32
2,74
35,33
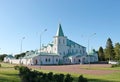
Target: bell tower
60,41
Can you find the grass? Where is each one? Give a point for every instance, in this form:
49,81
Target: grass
8,74
100,68
114,77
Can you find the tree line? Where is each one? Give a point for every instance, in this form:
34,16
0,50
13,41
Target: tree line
17,56
110,52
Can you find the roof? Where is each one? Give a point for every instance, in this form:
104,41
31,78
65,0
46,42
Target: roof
40,54
92,53
72,43
77,55
60,31
9,56
50,45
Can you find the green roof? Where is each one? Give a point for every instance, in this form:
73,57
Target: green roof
92,53
77,55
60,31
72,43
42,54
9,56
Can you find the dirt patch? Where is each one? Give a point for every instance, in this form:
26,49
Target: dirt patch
79,69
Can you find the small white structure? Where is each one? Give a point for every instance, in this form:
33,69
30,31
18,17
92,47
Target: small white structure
8,58
92,56
113,62
60,51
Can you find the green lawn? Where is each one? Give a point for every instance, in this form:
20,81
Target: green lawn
8,74
114,77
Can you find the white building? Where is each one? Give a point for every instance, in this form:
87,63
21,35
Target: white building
61,51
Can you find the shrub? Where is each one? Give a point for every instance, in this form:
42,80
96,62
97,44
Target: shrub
16,67
50,76
61,78
27,75
82,79
115,65
68,78
58,77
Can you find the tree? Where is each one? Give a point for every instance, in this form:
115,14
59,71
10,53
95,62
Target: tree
101,54
17,56
109,50
2,57
117,51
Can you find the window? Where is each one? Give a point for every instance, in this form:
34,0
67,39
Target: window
46,59
80,51
56,60
76,51
49,59
68,51
64,53
72,51
55,41
74,45
59,41
60,54
63,42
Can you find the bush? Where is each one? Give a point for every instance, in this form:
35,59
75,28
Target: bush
115,65
16,67
50,76
68,78
82,79
27,75
59,77
0,65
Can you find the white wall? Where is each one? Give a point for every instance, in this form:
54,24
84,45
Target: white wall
38,60
14,61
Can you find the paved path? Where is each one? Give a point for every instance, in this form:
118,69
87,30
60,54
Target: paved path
79,69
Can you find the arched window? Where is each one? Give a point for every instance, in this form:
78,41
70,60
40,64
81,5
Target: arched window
49,59
63,41
36,61
59,41
64,53
46,59
76,51
56,60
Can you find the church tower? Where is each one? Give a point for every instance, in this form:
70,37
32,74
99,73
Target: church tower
60,42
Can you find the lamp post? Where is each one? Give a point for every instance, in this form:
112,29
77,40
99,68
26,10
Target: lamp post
41,41
21,44
89,45
21,47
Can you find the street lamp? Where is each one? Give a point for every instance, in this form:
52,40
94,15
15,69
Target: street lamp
21,44
89,45
41,40
21,47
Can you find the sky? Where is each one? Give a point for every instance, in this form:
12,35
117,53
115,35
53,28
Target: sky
79,19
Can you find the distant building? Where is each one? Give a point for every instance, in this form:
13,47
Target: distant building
8,58
60,51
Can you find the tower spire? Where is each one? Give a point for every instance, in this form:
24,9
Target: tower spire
60,31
